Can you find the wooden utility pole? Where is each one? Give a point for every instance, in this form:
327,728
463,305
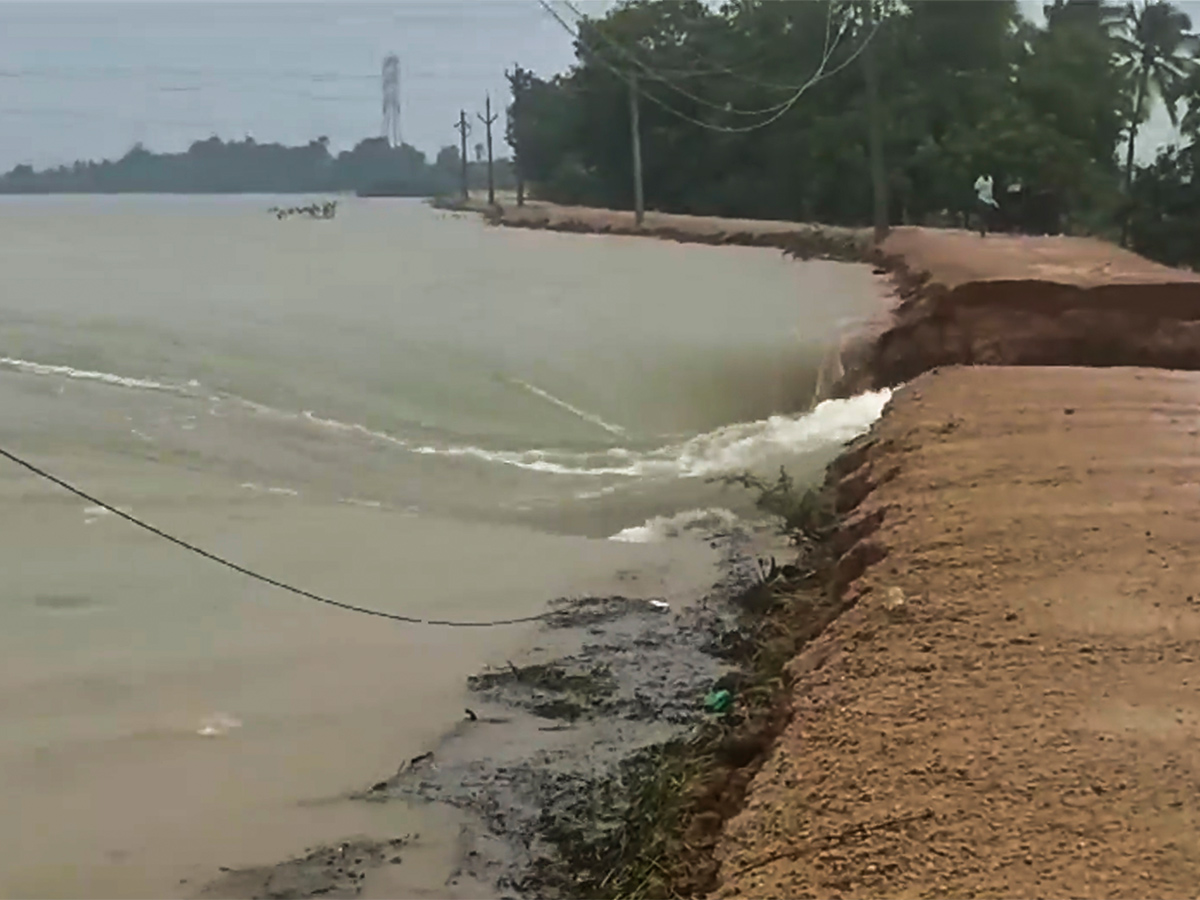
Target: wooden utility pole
463,128
487,121
635,126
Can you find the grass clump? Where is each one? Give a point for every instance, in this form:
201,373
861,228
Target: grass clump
806,514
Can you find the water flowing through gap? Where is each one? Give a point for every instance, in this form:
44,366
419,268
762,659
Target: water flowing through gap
398,408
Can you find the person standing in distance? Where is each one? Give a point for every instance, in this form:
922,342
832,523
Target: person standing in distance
985,205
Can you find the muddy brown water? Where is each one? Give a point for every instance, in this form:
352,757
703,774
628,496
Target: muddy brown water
401,408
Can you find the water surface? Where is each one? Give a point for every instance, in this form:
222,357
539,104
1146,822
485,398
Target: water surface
401,408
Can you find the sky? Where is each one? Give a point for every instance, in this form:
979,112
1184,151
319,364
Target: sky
89,79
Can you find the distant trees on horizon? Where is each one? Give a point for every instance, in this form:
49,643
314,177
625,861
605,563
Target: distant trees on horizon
214,166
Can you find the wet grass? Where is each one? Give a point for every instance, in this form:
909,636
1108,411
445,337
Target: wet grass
804,514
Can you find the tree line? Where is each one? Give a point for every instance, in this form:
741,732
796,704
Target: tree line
765,109
373,166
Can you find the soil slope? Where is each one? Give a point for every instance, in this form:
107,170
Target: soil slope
1012,300
1011,707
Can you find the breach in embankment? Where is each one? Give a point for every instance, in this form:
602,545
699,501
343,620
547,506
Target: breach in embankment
1025,301
961,299
1004,705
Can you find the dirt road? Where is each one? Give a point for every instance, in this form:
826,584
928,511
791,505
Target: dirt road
1012,707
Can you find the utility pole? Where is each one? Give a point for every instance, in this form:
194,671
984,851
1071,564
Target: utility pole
463,128
488,120
635,126
391,99
875,131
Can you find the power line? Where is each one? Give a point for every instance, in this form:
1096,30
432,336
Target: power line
721,69
249,573
725,129
826,53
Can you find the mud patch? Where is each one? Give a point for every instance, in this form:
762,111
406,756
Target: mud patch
559,753
331,871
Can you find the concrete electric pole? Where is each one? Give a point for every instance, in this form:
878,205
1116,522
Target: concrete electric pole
487,120
463,130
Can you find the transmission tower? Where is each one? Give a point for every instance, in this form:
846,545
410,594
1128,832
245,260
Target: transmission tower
391,99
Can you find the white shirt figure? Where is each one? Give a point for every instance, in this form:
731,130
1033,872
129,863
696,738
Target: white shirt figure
983,190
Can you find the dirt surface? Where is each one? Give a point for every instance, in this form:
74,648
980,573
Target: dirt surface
1011,707
958,257
1012,300
803,240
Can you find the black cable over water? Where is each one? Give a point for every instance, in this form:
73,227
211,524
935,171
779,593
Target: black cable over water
249,573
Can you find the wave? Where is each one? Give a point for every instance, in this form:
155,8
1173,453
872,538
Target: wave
662,528
34,368
728,448
353,427
574,410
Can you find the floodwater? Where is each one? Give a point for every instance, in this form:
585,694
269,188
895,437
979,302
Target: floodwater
399,408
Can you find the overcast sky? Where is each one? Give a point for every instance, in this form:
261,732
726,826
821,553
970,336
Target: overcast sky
90,79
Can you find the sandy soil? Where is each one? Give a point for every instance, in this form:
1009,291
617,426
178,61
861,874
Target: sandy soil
958,257
1009,708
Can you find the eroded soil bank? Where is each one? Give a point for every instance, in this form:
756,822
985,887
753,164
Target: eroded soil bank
1011,706
1005,300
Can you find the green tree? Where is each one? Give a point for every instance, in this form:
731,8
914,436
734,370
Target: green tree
785,109
1156,43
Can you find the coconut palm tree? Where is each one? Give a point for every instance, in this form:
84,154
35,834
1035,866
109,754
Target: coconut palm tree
1156,46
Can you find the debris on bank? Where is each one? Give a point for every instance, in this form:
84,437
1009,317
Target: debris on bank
606,763
551,753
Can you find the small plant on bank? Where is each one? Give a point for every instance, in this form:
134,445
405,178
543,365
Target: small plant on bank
806,514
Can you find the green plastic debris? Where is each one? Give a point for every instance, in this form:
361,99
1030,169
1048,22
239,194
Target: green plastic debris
718,701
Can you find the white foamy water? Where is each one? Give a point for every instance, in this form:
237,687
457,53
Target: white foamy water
360,408
218,725
146,384
661,528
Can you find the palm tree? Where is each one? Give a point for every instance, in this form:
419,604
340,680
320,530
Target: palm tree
1156,44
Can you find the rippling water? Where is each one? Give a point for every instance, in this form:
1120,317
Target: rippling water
403,408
